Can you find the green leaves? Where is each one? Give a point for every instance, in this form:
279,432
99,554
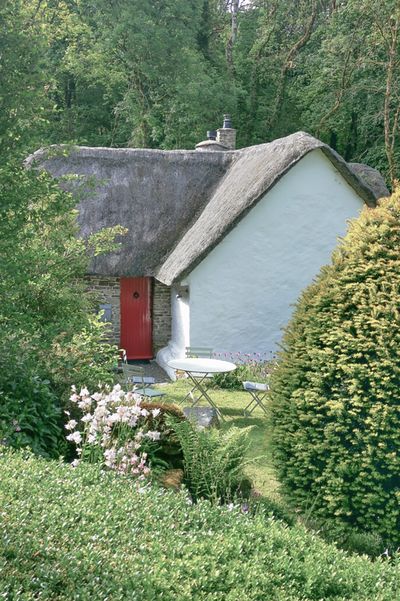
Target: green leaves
49,337
335,394
85,534
213,461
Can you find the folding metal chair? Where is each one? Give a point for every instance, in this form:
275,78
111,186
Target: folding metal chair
258,392
196,352
137,377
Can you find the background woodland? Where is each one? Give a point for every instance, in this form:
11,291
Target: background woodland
159,73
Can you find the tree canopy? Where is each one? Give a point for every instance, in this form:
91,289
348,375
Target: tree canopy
159,73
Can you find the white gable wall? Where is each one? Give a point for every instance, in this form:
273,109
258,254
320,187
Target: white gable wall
242,293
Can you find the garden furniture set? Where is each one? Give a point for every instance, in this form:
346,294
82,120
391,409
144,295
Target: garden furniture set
199,367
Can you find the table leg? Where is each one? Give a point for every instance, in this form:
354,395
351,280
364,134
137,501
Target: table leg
198,385
190,397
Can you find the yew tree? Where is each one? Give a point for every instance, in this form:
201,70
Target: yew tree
336,392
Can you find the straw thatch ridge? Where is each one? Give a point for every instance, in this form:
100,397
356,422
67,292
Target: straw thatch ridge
371,177
156,194
256,170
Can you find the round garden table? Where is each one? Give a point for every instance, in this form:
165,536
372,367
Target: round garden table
199,371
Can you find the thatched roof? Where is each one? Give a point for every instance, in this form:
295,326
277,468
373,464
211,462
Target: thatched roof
371,177
178,205
156,194
255,171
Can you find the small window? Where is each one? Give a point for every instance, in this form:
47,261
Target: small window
107,312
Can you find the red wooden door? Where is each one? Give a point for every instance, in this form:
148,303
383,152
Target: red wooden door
136,326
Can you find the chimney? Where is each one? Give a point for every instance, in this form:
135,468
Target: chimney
226,135
211,144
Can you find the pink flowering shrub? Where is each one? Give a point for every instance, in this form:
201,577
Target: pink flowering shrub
116,430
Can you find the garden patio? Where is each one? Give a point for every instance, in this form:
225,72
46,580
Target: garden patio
232,403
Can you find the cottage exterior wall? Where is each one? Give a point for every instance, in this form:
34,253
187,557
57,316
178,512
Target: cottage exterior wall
105,290
179,303
242,293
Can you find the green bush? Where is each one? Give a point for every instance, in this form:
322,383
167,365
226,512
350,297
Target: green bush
31,418
49,338
335,395
84,534
83,358
231,380
30,414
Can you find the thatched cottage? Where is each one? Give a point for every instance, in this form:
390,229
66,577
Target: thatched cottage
221,241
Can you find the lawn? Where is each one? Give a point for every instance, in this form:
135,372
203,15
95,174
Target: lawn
232,403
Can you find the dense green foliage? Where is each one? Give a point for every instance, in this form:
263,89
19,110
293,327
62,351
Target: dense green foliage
335,394
232,380
120,542
49,337
160,73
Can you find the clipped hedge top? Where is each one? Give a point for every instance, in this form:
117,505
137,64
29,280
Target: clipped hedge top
83,534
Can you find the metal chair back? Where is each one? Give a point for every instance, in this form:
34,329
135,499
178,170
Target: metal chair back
198,352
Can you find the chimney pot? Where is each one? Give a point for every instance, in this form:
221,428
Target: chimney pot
212,135
227,122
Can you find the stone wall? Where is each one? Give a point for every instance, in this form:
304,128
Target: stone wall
107,292
161,315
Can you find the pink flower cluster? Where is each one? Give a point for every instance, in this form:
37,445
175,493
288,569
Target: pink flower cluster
115,423
246,358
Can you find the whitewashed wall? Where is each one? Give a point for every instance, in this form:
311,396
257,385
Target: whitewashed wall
180,332
242,293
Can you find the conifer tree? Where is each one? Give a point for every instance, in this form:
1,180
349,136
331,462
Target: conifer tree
336,392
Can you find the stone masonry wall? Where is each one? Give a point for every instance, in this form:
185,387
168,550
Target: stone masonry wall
106,290
161,315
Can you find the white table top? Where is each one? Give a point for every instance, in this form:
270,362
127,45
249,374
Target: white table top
199,365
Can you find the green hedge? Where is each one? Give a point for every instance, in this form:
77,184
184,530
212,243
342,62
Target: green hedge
336,393
83,535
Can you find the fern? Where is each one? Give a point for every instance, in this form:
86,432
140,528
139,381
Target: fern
213,461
